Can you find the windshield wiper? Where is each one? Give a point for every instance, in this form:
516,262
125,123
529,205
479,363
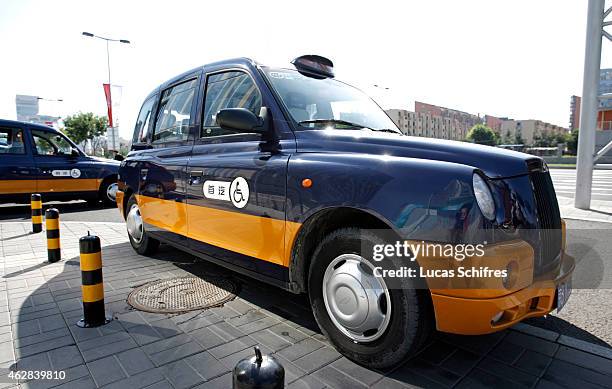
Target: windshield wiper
335,121
390,130
347,123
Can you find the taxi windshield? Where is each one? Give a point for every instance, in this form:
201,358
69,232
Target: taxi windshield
322,103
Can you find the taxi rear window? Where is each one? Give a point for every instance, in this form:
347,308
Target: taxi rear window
11,141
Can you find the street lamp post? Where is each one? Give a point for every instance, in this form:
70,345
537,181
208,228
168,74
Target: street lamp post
108,40
45,99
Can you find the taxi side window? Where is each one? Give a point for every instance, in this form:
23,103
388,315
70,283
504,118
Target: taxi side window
11,141
174,114
48,143
233,89
141,130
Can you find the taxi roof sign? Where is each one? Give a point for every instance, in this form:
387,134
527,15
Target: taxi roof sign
314,66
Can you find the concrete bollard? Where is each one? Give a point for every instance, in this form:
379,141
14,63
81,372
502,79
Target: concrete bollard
36,206
54,253
92,286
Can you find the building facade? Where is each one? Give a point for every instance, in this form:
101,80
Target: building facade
528,130
28,111
427,125
574,113
604,109
494,123
604,114
461,121
433,121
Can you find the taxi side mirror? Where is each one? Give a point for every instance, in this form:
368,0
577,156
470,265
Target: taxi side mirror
240,120
74,153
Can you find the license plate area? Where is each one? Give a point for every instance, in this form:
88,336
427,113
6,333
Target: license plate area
564,290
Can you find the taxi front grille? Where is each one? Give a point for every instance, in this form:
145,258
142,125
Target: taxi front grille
549,218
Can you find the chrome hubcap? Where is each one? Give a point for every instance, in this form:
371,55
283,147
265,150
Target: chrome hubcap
111,191
134,223
357,302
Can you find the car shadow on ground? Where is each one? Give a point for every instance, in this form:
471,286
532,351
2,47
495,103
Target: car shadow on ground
23,212
446,361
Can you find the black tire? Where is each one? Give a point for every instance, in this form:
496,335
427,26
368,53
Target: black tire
102,196
411,319
147,244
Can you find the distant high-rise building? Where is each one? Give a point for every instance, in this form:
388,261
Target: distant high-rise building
604,114
27,111
574,113
604,110
27,107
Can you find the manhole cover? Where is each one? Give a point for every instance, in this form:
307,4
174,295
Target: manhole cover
182,294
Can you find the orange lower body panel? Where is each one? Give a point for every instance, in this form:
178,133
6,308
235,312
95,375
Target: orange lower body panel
56,185
474,316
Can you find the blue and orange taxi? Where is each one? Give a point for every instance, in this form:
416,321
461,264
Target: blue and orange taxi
41,159
287,174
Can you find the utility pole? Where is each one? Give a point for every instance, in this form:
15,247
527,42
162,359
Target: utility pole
588,110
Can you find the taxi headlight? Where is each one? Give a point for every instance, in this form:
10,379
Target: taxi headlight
484,198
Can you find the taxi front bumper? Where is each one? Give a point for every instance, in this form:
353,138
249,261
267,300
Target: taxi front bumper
476,316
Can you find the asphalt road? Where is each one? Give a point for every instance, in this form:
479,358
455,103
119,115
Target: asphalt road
565,183
588,313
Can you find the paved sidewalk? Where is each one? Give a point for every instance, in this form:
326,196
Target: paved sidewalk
40,304
601,211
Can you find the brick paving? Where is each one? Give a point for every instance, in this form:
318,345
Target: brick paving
40,304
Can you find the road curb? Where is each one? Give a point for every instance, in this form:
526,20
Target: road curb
560,166
564,340
587,219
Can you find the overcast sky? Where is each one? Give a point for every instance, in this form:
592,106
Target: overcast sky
522,59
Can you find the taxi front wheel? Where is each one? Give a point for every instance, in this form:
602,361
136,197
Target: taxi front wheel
366,320
108,192
139,238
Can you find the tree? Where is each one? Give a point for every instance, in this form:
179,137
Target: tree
572,142
483,135
518,137
84,126
547,139
99,145
508,138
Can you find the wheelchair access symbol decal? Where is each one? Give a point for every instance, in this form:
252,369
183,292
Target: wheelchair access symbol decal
239,192
236,191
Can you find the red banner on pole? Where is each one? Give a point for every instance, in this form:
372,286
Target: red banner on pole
109,103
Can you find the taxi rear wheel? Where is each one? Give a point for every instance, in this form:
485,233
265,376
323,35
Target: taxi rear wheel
139,238
365,320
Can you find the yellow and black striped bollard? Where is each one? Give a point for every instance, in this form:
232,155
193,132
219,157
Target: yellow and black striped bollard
53,235
36,205
92,286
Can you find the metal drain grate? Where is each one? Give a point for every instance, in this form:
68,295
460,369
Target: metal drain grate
182,294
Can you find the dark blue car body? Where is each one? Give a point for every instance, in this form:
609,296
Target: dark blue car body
55,174
396,180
